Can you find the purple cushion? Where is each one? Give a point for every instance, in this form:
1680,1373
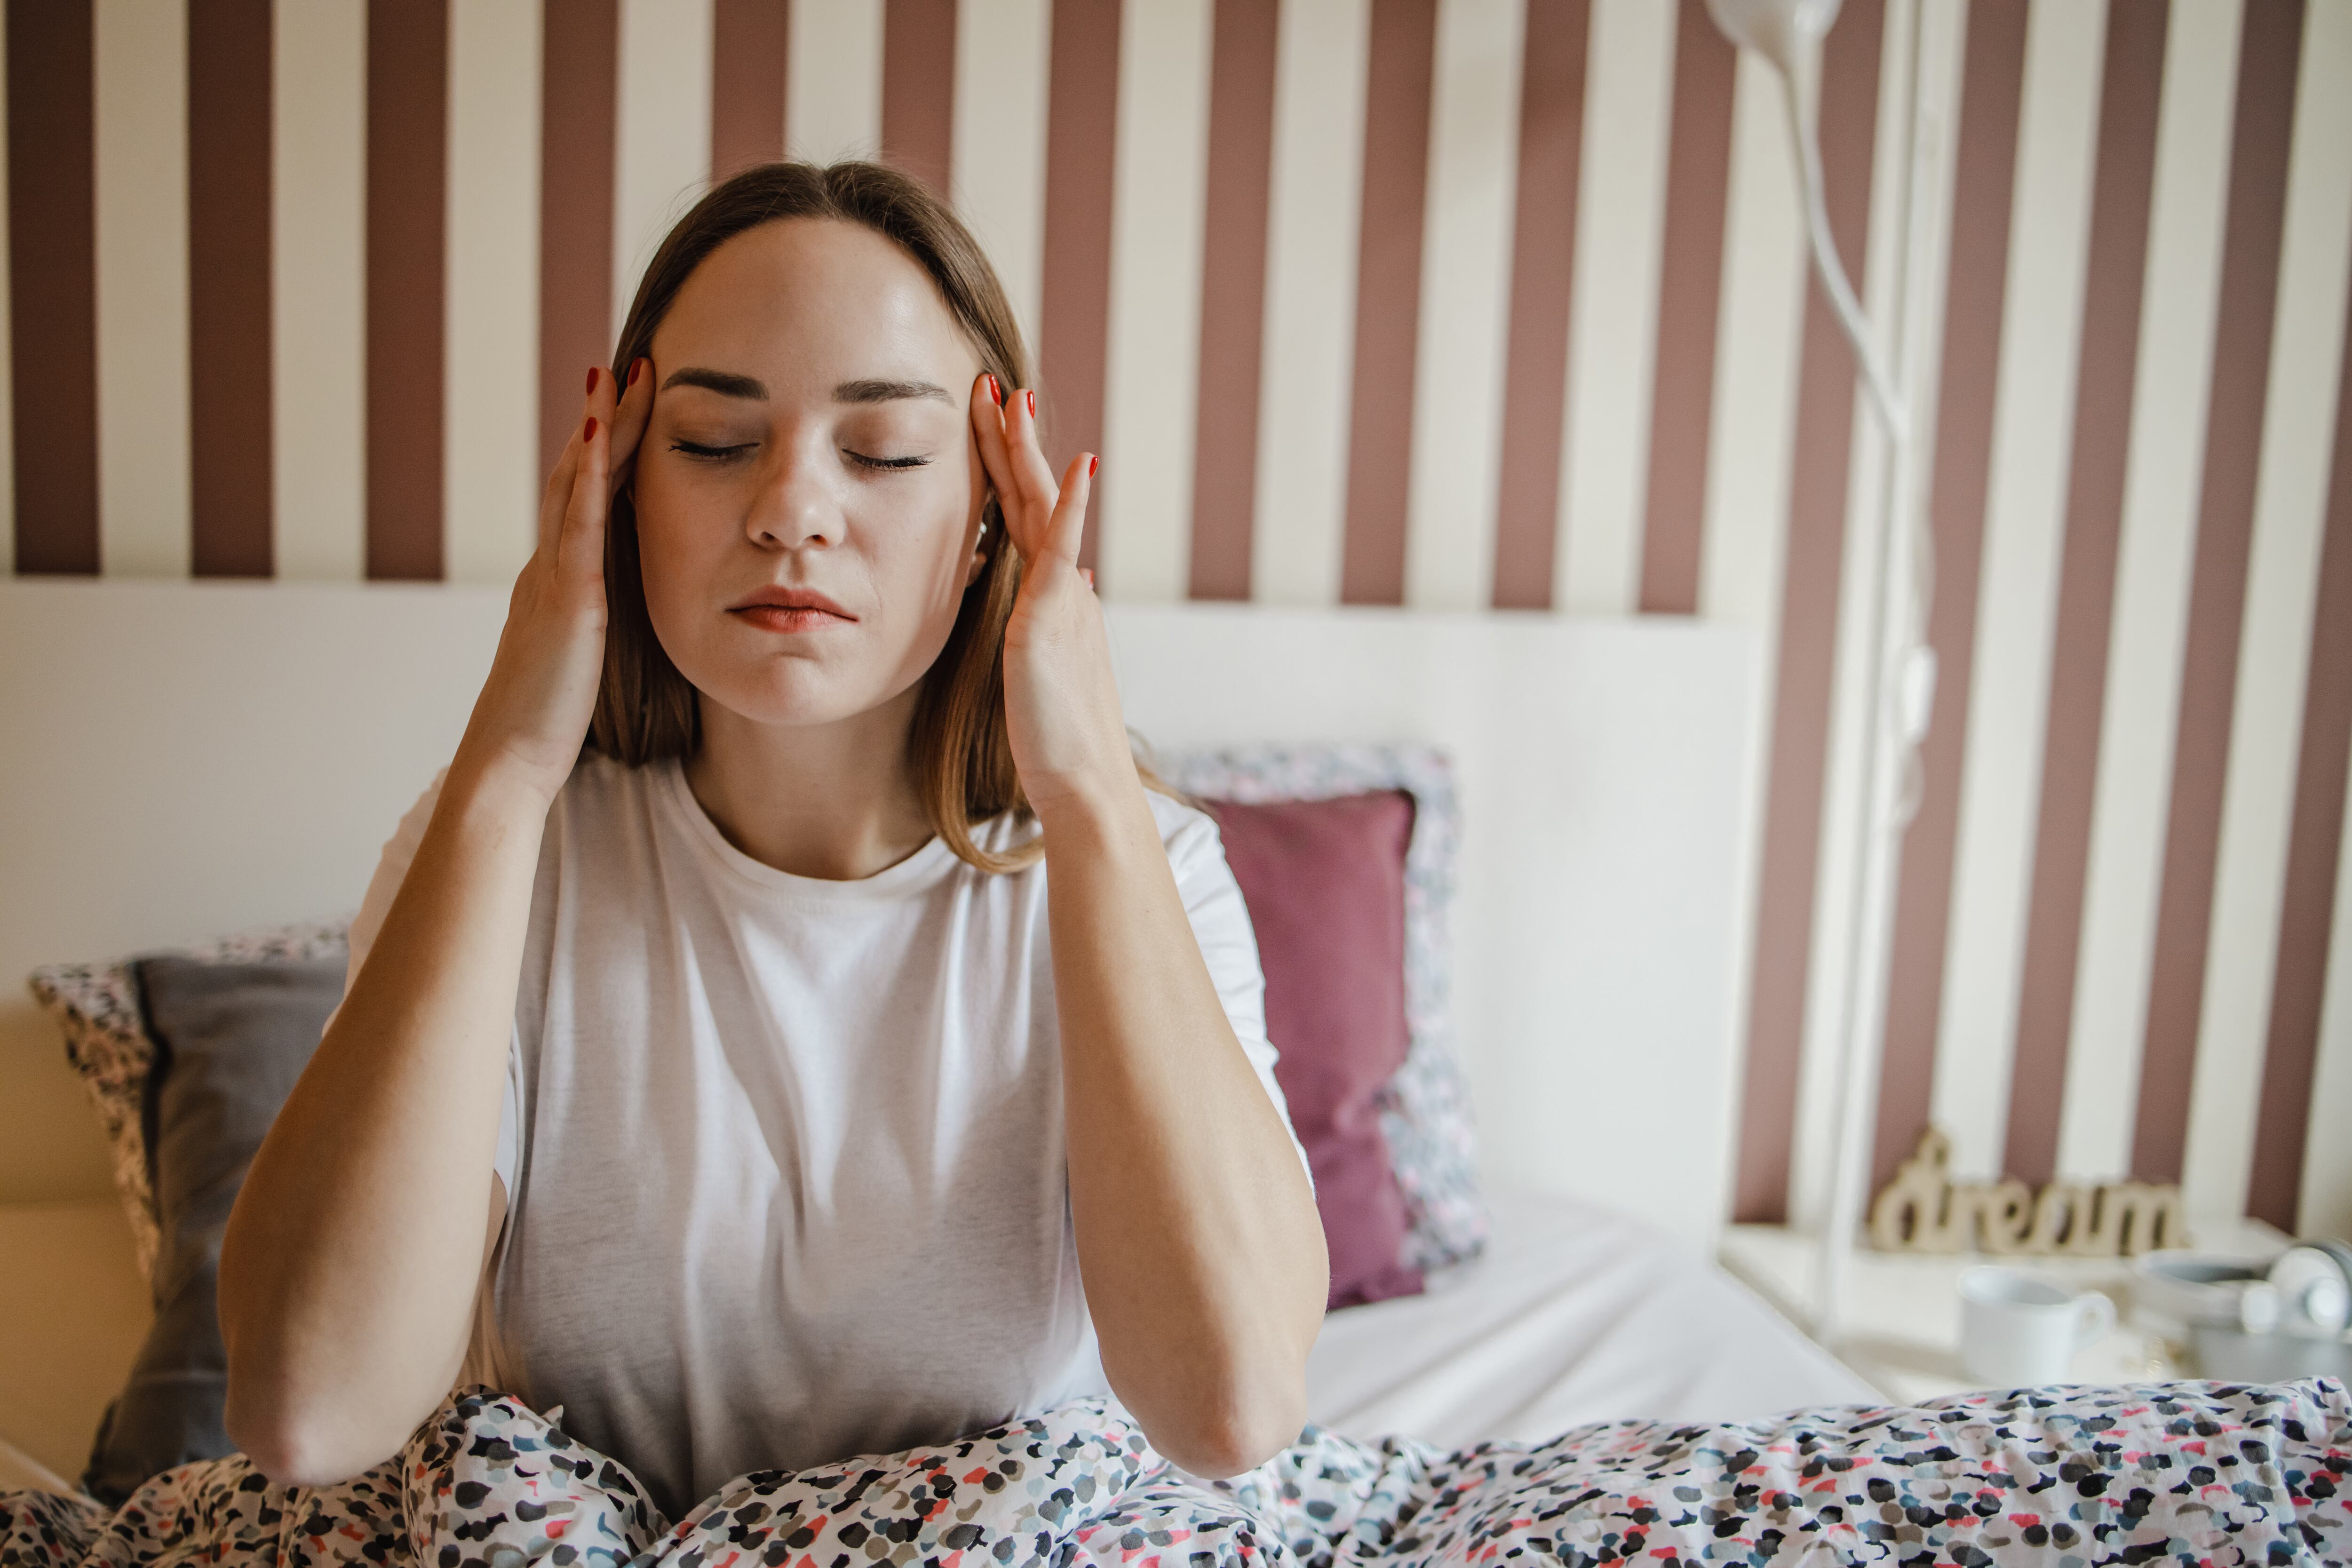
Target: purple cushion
1324,880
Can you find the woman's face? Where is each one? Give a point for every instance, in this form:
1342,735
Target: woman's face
808,490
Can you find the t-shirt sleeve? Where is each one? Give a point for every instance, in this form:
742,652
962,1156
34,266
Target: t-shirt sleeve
1221,924
390,870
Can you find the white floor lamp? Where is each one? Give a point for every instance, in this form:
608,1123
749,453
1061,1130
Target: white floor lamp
1789,33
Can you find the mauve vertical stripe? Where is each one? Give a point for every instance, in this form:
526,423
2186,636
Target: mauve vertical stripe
407,136
2132,78
749,44
1404,52
1814,561
1233,295
2306,924
1690,286
1543,267
919,89
1081,133
579,62
53,295
2269,50
229,49
1992,86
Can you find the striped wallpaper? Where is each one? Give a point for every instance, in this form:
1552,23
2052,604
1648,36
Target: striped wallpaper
1453,304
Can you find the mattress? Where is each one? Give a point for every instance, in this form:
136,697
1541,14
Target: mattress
1574,1314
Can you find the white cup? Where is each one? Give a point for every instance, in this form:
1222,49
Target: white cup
2017,1330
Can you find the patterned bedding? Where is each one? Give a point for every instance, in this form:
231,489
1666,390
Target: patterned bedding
2185,1473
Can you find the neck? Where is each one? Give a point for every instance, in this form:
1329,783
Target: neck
833,801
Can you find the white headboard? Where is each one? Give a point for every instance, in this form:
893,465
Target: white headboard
179,760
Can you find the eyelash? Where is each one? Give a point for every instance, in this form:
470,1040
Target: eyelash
722,454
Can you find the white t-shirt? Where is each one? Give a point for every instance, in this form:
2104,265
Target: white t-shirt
785,1157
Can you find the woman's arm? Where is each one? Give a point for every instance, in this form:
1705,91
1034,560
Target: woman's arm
1198,1236
1198,1239
351,1259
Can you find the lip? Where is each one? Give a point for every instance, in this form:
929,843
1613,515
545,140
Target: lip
778,609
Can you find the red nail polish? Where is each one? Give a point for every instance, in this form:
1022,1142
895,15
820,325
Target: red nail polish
588,431
592,381
1033,404
1092,464
995,392
635,371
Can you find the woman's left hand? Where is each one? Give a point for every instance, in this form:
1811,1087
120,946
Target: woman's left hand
1061,701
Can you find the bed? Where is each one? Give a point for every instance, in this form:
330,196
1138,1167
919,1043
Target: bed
187,759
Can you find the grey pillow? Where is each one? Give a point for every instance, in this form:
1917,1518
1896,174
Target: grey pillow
230,1041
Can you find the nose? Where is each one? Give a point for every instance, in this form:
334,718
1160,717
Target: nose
794,505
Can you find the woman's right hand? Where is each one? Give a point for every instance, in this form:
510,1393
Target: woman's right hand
533,715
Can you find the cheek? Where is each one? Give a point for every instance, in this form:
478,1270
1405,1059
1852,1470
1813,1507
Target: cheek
680,536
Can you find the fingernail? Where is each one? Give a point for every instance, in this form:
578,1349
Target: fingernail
1092,464
588,431
635,371
1033,404
592,381
995,392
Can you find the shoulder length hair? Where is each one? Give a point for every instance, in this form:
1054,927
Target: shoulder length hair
961,756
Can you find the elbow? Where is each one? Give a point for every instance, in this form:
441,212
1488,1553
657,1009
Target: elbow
1234,1428
293,1447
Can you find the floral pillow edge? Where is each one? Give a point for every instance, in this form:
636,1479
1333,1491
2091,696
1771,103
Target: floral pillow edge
95,1006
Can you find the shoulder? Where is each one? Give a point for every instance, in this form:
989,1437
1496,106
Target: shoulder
1189,833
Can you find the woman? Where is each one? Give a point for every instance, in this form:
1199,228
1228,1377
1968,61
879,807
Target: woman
714,1062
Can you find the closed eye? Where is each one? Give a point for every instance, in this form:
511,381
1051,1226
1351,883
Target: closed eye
866,461
695,449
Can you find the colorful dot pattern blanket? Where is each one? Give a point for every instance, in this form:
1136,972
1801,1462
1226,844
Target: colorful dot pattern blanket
2073,1478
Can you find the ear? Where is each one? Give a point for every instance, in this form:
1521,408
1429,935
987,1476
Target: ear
979,563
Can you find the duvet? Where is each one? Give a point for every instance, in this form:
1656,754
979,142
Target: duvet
2182,1473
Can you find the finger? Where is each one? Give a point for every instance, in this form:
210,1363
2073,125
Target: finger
988,429
579,548
630,417
558,494
1069,523
1032,473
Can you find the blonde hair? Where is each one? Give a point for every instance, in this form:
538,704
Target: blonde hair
961,754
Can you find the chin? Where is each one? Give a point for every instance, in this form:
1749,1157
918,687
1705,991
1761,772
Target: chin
792,691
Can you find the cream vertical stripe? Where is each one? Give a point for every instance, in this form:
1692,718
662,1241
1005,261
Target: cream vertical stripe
1759,327
2024,530
662,133
140,60
8,359
1465,305
2152,575
319,317
1612,319
1001,49
833,80
1891,300
491,479
1322,54
2326,1206
2290,513
1152,380
1756,333
1935,168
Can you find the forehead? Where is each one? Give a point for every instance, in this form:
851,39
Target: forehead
828,300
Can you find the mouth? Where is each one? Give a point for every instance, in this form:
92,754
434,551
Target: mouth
791,610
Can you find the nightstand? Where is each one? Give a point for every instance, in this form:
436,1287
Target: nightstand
1901,1331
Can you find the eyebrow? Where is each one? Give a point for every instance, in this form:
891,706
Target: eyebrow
726,384
872,391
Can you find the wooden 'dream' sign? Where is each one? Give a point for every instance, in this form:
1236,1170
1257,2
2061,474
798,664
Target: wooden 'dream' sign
1922,1210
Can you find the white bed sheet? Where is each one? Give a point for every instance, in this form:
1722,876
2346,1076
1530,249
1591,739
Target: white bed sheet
1575,1314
